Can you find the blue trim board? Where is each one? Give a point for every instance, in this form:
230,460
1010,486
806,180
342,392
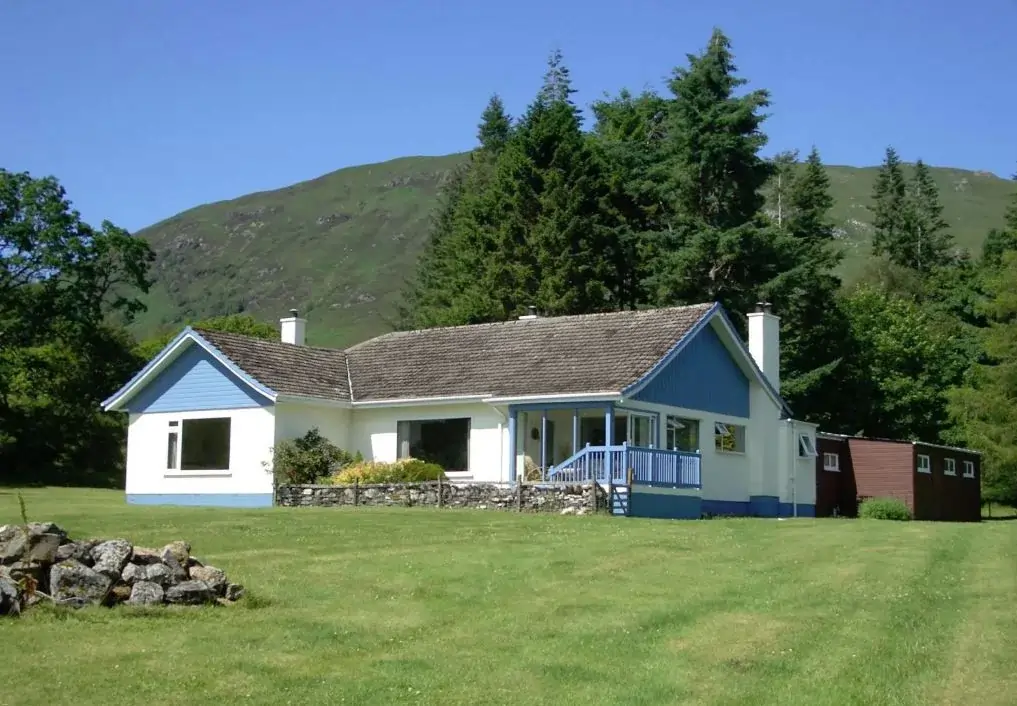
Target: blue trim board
668,506
195,380
757,506
541,406
203,499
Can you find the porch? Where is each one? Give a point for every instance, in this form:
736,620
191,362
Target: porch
609,445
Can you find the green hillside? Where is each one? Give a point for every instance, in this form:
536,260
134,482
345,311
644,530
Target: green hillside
339,247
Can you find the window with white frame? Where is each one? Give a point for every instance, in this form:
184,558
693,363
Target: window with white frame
729,438
682,434
831,462
924,464
173,446
949,467
445,442
806,446
204,444
969,469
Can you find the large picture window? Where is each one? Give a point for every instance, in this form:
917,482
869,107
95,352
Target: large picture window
442,441
204,444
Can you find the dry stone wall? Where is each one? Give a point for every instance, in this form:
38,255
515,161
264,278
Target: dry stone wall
562,499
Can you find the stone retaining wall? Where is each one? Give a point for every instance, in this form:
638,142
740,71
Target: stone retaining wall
563,499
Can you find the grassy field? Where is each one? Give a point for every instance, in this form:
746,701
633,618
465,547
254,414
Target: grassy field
390,606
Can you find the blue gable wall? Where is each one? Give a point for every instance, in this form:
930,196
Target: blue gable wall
195,381
702,376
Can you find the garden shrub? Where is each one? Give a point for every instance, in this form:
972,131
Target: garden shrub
308,459
408,470
884,509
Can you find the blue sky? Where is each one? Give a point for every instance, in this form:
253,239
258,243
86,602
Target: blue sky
144,108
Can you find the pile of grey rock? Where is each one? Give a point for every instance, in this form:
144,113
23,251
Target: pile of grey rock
40,562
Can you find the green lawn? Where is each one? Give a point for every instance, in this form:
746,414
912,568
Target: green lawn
389,606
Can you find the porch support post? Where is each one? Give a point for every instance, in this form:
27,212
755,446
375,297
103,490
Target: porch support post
575,431
608,438
543,441
513,443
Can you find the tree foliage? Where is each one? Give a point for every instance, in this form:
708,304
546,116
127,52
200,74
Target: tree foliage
66,288
984,409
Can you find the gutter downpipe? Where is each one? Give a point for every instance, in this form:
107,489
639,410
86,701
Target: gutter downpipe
794,470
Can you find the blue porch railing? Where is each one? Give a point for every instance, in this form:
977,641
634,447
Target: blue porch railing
658,467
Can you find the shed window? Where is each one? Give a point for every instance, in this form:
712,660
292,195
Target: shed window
806,447
969,469
445,442
682,434
924,464
831,462
729,438
949,467
205,444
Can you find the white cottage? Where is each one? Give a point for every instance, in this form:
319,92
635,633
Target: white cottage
670,400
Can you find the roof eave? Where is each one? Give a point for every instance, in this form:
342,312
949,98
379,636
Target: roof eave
114,402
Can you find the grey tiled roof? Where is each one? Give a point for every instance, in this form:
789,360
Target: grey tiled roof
543,356
285,368
564,355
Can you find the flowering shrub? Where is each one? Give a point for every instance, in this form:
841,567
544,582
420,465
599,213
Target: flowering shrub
408,470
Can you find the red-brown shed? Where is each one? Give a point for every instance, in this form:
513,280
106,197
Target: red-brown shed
936,482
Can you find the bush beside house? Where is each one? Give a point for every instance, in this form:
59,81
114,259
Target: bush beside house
884,509
313,459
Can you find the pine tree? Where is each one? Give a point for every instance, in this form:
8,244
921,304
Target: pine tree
809,203
495,127
558,230
985,409
815,335
889,196
453,273
629,134
929,241
714,244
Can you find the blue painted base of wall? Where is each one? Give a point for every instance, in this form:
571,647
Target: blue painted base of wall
204,500
669,506
757,506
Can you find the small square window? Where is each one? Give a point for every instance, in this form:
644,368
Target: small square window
924,464
806,447
831,462
949,467
969,469
729,438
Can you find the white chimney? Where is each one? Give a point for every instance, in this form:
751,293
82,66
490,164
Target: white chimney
293,328
764,342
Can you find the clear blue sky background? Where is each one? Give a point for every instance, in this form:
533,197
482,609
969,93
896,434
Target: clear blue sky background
144,108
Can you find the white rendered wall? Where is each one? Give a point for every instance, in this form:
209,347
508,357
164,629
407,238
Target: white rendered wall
801,486
374,434
294,419
252,431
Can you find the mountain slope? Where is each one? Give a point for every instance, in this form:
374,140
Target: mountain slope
340,247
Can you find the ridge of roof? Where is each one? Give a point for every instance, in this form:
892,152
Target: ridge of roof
539,320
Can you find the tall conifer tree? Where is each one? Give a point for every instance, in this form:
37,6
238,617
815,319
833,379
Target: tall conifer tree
714,245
